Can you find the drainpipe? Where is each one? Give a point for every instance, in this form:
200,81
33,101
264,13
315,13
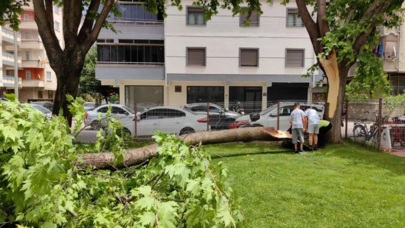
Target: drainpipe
15,66
399,49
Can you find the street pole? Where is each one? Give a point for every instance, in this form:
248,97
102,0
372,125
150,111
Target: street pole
15,66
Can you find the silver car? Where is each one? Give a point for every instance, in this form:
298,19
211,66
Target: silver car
214,110
119,112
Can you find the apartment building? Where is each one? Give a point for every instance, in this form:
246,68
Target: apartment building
185,59
38,80
7,60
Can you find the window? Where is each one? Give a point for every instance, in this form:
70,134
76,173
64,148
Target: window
196,57
40,94
195,16
133,13
50,94
28,75
254,19
249,57
137,54
170,113
294,58
27,55
397,84
293,19
103,110
48,76
26,36
116,110
26,16
197,94
57,26
56,9
286,111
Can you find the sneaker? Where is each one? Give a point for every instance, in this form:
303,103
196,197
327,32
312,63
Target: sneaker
296,152
301,152
315,148
311,148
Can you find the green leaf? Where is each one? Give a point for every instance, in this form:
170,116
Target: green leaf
148,219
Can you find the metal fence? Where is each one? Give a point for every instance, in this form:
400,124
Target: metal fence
213,116
378,123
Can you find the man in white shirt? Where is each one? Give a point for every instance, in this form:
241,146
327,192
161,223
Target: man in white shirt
313,127
297,124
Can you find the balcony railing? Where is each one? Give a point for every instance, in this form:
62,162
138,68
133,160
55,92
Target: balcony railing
10,56
9,31
9,81
132,63
137,22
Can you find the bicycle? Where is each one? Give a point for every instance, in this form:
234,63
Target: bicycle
361,132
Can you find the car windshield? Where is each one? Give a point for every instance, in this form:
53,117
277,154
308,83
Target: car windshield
42,109
89,104
264,112
128,109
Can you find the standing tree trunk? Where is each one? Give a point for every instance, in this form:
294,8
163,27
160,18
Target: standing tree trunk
68,83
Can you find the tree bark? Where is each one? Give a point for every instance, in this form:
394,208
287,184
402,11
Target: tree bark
140,155
68,84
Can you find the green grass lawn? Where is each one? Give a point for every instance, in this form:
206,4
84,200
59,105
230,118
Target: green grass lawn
340,186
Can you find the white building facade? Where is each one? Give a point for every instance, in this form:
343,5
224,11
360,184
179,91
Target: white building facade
187,59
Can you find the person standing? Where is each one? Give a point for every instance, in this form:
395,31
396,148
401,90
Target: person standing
297,120
313,127
324,127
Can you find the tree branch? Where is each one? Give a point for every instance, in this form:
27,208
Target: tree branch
71,23
49,13
91,38
310,25
88,21
322,23
47,32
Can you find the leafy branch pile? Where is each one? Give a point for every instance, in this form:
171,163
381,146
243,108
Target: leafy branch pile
41,186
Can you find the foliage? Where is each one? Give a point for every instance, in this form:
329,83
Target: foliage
113,98
344,185
393,102
369,79
40,185
10,11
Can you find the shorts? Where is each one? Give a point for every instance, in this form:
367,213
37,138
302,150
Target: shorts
313,128
297,132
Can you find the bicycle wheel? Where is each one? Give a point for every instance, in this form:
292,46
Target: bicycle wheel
359,133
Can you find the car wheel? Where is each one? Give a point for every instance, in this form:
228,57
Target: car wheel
127,131
96,125
187,130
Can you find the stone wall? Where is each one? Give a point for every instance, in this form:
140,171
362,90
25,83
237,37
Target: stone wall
357,109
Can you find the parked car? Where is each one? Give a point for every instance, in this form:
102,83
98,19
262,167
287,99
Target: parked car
3,99
46,112
169,120
201,109
119,112
88,106
47,105
268,117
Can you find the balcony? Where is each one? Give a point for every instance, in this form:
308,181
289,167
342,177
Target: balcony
33,64
8,59
33,83
31,43
8,81
28,24
7,35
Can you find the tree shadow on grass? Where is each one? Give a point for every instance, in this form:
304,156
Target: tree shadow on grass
217,156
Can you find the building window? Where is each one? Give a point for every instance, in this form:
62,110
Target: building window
57,26
293,19
56,9
145,97
137,54
26,36
48,76
28,75
26,16
249,57
195,16
397,84
196,57
27,56
294,58
212,94
254,19
50,94
40,94
133,13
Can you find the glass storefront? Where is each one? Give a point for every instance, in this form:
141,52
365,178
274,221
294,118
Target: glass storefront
144,96
397,83
249,97
212,94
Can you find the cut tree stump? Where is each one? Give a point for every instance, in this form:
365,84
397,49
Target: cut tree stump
140,155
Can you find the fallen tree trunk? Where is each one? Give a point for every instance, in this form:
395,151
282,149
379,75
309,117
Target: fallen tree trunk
137,156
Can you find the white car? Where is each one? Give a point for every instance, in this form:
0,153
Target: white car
268,117
118,112
46,112
169,120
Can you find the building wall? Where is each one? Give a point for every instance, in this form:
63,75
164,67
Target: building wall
222,37
36,73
